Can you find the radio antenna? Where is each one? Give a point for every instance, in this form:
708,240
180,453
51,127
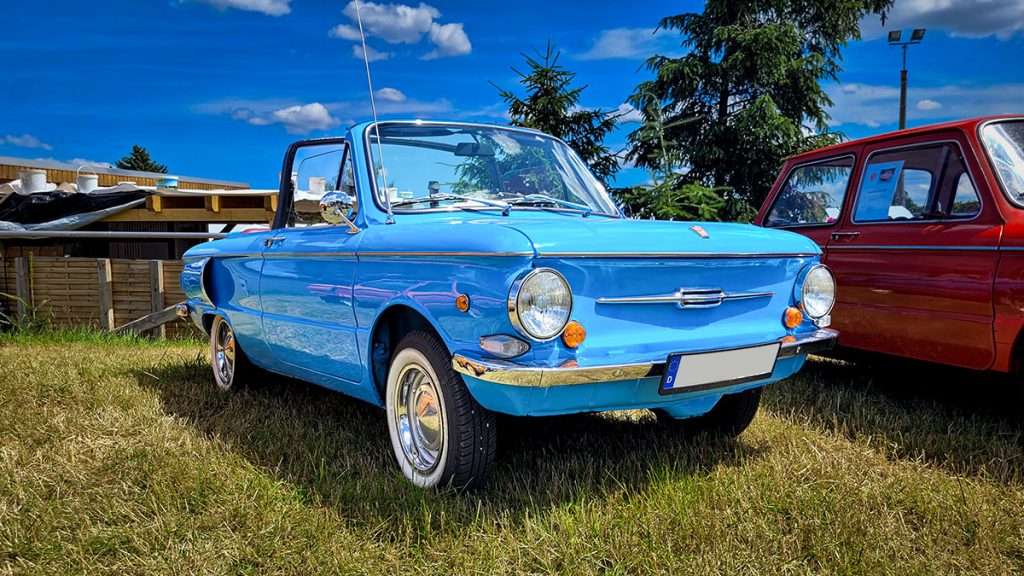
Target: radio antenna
373,108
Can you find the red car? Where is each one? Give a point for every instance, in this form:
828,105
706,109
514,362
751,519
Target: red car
924,231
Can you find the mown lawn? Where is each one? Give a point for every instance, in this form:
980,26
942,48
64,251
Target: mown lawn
120,457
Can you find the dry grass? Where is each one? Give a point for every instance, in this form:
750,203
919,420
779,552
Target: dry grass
118,456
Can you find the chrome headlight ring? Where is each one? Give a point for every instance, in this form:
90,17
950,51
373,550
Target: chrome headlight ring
516,306
801,285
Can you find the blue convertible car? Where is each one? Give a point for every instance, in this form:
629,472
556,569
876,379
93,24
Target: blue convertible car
447,272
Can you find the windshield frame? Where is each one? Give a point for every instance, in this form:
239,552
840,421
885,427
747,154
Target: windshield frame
583,168
991,162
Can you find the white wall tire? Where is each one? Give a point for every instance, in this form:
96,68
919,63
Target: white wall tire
231,367
441,437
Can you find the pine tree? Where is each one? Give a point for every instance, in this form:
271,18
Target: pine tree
139,160
552,105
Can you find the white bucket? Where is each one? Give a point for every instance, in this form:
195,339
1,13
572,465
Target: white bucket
86,182
169,183
32,180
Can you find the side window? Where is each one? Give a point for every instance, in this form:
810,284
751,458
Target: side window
316,170
812,194
966,203
922,183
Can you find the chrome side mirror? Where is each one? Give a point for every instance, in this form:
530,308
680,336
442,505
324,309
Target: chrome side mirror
336,207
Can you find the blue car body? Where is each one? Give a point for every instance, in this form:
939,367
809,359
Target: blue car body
320,303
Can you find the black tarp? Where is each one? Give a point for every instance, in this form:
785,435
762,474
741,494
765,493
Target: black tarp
42,207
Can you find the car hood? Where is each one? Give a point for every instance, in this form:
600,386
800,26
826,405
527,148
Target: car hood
617,237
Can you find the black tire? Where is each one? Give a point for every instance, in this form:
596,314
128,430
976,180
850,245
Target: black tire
242,371
449,440
728,419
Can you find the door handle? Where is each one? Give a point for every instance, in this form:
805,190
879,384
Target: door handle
270,241
847,236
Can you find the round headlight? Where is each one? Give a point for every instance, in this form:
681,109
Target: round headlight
539,304
818,293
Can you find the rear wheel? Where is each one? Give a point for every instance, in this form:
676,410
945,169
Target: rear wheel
728,419
440,435
231,367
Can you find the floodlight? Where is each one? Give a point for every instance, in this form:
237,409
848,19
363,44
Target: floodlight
917,35
894,36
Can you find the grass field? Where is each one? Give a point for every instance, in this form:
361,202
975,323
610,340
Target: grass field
118,456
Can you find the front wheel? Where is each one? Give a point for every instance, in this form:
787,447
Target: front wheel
231,367
440,435
731,415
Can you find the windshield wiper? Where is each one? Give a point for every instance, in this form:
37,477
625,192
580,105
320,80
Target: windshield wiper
441,197
542,199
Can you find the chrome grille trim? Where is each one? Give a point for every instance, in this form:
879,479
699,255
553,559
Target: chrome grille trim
688,298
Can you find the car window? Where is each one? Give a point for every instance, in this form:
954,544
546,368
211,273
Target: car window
915,183
812,194
965,198
1004,142
316,170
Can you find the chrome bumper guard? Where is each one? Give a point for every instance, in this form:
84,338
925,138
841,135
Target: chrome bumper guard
512,374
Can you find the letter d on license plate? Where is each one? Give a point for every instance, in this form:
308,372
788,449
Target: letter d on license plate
704,370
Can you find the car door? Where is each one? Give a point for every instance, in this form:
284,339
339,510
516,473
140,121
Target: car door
811,198
309,268
916,255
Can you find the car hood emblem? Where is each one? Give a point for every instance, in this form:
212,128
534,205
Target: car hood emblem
700,231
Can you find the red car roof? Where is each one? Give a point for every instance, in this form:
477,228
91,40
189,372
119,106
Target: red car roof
967,125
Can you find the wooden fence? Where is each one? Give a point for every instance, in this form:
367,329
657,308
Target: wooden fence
98,292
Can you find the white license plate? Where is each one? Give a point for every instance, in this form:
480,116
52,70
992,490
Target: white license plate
703,370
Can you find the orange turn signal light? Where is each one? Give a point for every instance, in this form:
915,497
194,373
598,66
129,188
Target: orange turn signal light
574,334
788,339
462,302
793,317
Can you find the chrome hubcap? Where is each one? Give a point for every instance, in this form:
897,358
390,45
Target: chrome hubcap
419,419
224,353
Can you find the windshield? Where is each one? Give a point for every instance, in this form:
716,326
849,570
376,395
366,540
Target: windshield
1004,142
442,166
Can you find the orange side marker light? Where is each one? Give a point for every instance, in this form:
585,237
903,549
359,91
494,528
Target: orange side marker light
574,334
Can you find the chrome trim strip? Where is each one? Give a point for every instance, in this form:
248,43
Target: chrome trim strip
513,374
963,248
441,253
820,340
688,298
673,255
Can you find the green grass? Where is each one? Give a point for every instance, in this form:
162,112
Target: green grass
118,456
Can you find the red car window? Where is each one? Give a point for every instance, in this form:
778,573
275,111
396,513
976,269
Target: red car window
812,194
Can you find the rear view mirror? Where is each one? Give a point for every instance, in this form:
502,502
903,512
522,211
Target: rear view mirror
473,149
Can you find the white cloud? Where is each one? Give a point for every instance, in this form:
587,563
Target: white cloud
268,7
627,114
873,106
391,95
635,43
394,23
405,24
371,54
296,119
345,32
449,39
25,141
969,18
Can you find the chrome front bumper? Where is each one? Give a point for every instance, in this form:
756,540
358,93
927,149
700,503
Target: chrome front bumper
513,374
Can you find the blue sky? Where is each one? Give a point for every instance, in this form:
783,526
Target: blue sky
218,88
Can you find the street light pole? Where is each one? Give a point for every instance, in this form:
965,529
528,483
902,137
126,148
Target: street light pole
894,40
903,90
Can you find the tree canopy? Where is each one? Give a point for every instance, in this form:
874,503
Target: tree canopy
139,160
746,95
552,105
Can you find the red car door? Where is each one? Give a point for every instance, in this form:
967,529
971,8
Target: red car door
810,197
916,254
